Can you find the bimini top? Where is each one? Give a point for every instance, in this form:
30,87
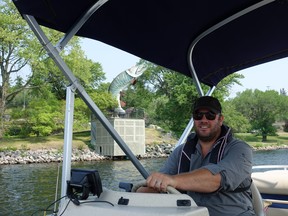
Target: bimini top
164,31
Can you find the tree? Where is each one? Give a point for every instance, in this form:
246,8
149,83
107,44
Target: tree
41,117
162,92
20,49
16,50
89,73
236,120
261,109
283,106
168,96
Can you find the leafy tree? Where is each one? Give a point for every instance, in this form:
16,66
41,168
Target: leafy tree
168,96
285,126
19,48
20,51
82,114
159,92
261,109
43,116
16,51
89,73
234,119
224,87
46,116
283,115
96,78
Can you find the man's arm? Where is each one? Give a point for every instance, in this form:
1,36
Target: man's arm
200,180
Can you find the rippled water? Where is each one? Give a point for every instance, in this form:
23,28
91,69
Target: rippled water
24,189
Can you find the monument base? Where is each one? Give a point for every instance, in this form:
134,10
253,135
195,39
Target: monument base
132,131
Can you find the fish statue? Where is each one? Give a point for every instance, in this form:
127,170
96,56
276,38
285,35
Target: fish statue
122,81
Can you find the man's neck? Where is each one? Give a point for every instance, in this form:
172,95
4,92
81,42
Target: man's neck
206,146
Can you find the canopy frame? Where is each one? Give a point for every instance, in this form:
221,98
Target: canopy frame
54,54
191,65
54,51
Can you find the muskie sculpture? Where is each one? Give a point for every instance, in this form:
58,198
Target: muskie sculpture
122,81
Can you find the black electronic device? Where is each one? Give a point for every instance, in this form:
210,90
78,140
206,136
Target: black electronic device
83,182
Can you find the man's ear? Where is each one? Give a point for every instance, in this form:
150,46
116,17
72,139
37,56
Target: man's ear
221,118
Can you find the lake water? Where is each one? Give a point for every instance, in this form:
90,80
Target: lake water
25,189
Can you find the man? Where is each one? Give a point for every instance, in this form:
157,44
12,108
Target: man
212,167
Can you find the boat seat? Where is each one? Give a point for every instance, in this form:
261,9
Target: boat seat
258,203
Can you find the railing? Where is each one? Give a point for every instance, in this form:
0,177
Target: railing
284,167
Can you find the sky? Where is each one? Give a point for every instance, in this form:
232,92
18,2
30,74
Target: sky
112,60
273,75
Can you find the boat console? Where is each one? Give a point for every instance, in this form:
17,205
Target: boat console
130,204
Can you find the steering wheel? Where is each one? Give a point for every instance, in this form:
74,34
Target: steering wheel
170,190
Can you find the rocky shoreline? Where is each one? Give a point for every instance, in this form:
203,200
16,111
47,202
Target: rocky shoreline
53,155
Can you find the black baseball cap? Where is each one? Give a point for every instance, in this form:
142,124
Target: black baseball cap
208,102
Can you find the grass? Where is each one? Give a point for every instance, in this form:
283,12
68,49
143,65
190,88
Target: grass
81,140
154,137
256,141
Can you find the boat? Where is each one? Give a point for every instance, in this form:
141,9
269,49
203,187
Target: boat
271,181
205,40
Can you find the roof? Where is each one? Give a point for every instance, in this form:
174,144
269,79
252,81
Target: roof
161,31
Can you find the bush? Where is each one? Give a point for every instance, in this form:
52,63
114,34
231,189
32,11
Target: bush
19,129
13,130
285,127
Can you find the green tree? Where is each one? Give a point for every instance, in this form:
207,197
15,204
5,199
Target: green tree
43,116
21,60
162,92
89,73
234,119
283,106
168,96
16,51
261,109
24,94
82,114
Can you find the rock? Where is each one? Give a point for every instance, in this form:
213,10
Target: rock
54,155
45,156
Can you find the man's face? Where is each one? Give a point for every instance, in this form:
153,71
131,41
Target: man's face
207,128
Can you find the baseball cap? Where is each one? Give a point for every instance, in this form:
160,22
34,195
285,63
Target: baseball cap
208,102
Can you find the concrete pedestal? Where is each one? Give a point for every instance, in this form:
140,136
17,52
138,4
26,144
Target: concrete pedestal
132,131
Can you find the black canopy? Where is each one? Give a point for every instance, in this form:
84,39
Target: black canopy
161,31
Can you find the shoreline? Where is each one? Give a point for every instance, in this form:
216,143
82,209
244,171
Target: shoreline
10,157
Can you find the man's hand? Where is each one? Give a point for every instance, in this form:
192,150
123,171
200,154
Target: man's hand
146,190
159,182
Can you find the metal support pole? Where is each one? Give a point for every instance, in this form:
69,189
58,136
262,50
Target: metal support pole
75,28
54,54
68,132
